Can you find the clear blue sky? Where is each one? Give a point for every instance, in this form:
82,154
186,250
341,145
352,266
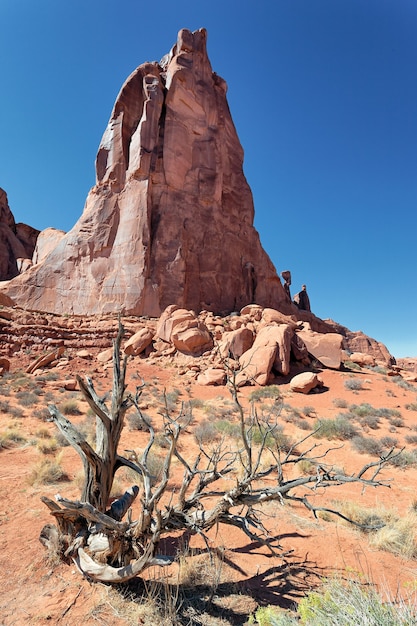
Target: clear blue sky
324,97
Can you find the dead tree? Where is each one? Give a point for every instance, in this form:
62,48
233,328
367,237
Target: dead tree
105,548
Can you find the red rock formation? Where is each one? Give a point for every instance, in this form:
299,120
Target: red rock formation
170,220
17,241
47,240
357,341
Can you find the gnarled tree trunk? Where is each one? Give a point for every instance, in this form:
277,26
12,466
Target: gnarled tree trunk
105,548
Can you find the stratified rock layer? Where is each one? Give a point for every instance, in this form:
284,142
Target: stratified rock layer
170,220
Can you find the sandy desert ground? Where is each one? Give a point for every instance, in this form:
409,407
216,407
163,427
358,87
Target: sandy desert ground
36,590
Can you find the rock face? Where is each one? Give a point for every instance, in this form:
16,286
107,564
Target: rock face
47,240
357,341
17,241
170,219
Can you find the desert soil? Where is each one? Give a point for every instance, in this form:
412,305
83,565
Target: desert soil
35,590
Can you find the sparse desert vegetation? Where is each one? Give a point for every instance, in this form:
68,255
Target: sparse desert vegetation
362,430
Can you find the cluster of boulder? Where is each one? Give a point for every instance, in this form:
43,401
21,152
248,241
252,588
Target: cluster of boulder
258,344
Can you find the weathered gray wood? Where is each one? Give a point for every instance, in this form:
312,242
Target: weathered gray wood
91,529
105,573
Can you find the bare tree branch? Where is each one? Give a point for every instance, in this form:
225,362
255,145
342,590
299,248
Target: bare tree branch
106,548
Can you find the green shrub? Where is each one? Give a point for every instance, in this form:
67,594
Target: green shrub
396,420
338,428
274,437
388,413
303,424
42,414
269,391
70,407
398,536
162,441
289,413
228,428
4,406
353,384
16,411
170,399
308,411
404,459
136,422
196,403
351,365
367,445
378,369
155,465
206,432
361,410
340,603
399,380
389,442
61,441
369,519
27,398
47,446
411,407
220,408
273,616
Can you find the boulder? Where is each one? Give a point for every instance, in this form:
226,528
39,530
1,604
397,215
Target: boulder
138,342
192,337
212,376
253,311
171,317
234,343
105,355
84,354
325,347
271,349
408,363
271,315
4,365
170,219
305,382
357,341
362,359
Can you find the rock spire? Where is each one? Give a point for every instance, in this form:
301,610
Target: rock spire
170,219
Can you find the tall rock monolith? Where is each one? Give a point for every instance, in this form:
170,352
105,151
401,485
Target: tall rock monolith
170,219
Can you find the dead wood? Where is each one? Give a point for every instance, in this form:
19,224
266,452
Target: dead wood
45,359
105,548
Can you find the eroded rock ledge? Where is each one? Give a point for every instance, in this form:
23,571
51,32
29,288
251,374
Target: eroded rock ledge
260,344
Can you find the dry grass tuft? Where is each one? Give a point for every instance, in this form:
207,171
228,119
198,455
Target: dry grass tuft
399,536
47,471
11,438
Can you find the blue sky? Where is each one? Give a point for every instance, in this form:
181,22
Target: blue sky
324,97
